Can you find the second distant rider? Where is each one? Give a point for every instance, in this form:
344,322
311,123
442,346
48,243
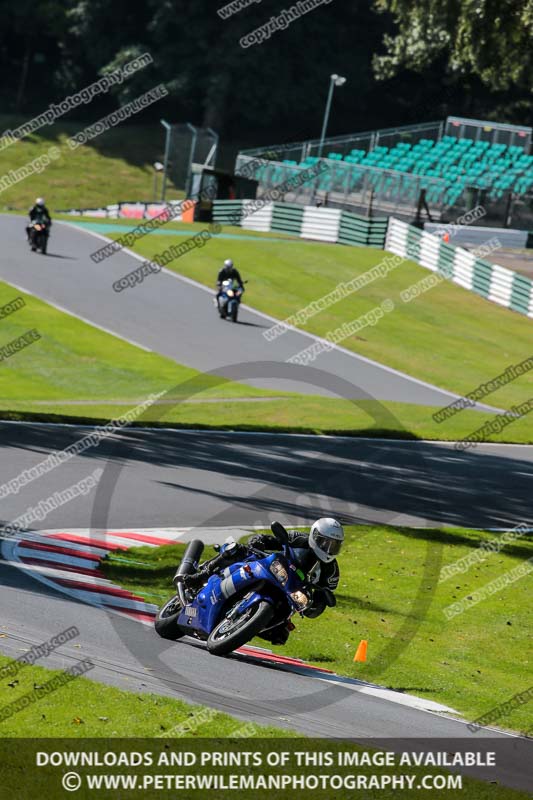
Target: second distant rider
228,272
39,213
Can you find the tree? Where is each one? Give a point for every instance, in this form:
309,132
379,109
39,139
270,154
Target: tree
28,39
491,39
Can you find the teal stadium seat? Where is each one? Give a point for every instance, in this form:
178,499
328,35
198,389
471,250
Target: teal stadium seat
496,168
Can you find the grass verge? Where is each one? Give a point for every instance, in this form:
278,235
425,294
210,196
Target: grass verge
77,373
73,361
108,721
117,165
448,336
83,708
391,595
292,414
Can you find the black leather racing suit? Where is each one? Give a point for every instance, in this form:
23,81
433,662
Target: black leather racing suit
41,214
323,575
39,211
227,274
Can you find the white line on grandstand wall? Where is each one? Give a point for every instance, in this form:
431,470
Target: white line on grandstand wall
312,336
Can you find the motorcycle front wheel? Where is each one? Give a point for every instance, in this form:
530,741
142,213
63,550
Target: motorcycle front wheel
230,634
166,620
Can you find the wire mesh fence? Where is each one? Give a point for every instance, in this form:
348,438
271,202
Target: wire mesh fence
187,145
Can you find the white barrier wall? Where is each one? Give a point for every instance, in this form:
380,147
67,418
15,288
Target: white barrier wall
495,283
321,223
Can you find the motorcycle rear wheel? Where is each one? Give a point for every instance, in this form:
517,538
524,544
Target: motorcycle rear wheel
166,620
229,634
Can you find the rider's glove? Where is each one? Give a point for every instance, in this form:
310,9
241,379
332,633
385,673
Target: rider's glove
322,598
257,541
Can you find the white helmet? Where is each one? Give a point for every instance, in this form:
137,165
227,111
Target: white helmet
228,263
39,201
326,538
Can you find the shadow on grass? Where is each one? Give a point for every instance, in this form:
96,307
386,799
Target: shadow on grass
319,658
519,551
368,433
353,602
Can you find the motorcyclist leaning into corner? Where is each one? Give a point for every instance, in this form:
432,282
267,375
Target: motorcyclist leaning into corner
228,272
316,552
40,213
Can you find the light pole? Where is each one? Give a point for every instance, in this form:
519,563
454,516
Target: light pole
158,167
168,130
334,80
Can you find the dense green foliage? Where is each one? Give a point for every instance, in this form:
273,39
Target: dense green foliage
491,39
467,53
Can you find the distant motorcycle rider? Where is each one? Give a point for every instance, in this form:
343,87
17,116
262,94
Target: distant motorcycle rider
228,272
316,552
39,213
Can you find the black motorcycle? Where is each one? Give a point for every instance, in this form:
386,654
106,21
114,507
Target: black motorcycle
38,232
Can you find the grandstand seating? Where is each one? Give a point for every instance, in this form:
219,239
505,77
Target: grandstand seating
458,163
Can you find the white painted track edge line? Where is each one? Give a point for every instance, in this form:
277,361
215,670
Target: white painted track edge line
312,336
210,431
191,529
387,695
78,316
101,602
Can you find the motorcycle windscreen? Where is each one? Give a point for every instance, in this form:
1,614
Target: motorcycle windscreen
304,559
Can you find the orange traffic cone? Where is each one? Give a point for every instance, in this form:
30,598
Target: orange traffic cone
360,654
446,237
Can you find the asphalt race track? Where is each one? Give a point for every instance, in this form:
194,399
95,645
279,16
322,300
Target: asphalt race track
178,478
130,655
176,318
162,478
230,684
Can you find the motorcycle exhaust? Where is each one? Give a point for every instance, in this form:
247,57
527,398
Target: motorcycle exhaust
191,557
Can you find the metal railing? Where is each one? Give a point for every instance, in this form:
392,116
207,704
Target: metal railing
492,132
349,186
186,144
366,140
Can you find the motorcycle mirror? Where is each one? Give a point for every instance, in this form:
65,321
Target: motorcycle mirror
280,533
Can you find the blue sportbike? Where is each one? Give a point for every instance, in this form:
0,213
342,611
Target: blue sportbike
243,600
229,299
